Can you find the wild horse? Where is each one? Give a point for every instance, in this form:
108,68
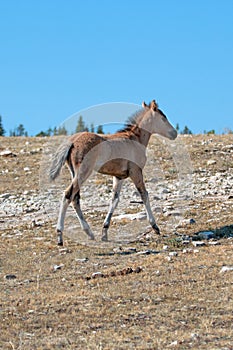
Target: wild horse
120,155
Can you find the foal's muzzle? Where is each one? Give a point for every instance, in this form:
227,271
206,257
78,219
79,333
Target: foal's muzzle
173,134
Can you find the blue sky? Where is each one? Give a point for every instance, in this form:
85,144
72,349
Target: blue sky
59,57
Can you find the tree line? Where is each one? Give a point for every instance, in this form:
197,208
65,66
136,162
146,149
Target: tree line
82,126
56,131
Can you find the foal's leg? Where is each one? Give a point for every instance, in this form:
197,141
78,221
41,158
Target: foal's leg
83,223
117,183
137,178
62,213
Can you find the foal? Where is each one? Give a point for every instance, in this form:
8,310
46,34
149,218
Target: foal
121,155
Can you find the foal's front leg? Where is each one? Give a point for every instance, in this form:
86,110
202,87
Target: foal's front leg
137,178
117,183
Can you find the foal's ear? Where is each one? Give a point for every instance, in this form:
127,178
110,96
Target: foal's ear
153,105
144,105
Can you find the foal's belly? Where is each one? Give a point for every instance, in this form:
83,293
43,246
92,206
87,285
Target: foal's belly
115,167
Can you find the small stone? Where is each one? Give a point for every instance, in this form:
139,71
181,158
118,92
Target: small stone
185,242
57,267
198,243
10,277
194,336
173,254
97,274
226,269
196,251
174,343
7,153
206,234
82,260
5,196
214,243
187,250
211,162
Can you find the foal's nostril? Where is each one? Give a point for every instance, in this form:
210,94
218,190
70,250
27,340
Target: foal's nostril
173,134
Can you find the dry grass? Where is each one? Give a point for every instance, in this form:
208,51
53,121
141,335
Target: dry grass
181,301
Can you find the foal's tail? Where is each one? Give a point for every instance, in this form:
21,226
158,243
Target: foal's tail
59,159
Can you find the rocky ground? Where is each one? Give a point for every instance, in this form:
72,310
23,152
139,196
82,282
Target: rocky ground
137,290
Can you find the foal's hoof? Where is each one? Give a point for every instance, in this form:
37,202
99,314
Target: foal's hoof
104,238
156,229
59,238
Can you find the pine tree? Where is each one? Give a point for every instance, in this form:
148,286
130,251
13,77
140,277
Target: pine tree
2,131
20,131
92,128
100,129
80,126
55,132
62,130
186,131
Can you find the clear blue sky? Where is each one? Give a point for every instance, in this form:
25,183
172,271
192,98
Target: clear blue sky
58,57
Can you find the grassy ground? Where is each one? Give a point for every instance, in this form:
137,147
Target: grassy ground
144,297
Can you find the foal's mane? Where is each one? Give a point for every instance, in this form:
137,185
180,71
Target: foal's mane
133,120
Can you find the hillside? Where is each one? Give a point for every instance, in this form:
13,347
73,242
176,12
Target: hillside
178,288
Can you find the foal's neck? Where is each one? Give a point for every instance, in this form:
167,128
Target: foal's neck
142,135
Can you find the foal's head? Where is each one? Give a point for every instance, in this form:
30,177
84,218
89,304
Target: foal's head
156,122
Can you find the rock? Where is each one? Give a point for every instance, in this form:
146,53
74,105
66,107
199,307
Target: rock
198,243
173,254
214,243
10,277
185,242
57,267
7,153
97,274
206,234
147,252
211,162
82,260
5,196
226,269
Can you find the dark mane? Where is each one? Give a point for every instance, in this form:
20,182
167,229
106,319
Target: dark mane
133,120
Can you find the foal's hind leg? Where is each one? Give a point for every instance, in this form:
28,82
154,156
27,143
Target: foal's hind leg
137,178
83,223
117,183
62,213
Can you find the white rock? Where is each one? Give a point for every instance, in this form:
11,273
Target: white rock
226,269
211,162
57,267
173,254
97,274
6,153
198,243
